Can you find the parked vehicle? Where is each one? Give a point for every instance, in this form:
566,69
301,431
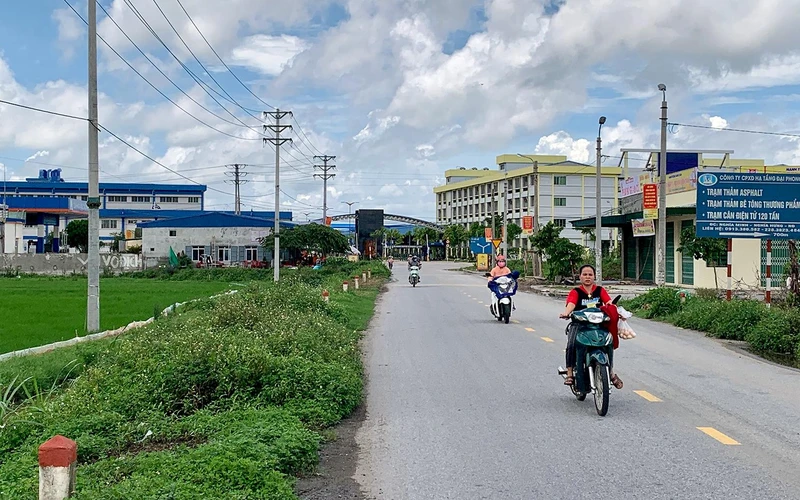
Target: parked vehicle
503,289
595,350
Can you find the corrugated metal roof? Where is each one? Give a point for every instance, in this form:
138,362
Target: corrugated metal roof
214,219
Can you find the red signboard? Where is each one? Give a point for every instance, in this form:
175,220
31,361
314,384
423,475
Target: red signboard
328,221
527,224
487,233
650,196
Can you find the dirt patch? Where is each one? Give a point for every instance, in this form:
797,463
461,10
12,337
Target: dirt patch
338,459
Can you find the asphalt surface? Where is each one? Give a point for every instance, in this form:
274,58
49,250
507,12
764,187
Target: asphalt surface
460,406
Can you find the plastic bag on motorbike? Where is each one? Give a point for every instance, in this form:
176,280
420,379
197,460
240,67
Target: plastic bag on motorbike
624,330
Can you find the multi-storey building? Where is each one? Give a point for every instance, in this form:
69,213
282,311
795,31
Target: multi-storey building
40,208
566,192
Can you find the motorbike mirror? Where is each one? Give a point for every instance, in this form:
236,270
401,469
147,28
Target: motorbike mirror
616,299
486,275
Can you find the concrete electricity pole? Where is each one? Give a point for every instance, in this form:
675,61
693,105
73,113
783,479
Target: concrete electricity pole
277,141
494,218
598,225
325,176
93,199
661,239
237,174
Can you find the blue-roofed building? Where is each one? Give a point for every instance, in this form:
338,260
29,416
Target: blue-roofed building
224,238
40,208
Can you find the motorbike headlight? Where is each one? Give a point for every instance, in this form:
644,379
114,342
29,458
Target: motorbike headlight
595,317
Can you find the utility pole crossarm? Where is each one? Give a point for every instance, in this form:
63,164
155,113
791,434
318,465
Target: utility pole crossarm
325,168
277,141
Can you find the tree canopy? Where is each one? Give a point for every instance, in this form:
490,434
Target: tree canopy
312,236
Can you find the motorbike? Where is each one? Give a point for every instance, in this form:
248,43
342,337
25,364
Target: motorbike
413,275
503,289
594,346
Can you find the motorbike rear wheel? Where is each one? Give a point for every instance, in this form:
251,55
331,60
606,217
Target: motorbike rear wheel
602,388
505,312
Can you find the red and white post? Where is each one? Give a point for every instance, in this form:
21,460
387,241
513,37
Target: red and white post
729,293
58,458
768,293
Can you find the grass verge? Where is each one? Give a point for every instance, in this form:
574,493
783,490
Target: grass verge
773,333
226,399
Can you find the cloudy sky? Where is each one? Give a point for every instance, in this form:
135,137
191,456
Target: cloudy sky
398,90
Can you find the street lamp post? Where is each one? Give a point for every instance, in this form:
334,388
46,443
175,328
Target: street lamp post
349,220
598,226
661,240
536,260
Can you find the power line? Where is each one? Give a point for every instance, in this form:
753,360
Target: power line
156,88
197,79
123,141
221,60
313,149
108,15
40,110
726,129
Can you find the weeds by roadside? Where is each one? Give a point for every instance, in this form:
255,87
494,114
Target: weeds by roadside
226,399
770,332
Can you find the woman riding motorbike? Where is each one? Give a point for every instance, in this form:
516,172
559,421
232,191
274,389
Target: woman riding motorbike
582,297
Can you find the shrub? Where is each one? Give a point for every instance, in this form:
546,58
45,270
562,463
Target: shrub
656,303
736,318
778,332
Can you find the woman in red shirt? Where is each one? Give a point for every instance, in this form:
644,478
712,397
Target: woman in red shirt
583,297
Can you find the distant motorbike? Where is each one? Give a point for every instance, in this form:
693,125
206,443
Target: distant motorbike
595,350
503,289
413,275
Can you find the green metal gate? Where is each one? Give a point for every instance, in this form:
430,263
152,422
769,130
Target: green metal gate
780,259
630,253
647,252
670,257
687,260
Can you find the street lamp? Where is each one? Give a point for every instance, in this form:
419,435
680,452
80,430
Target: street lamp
598,225
661,239
349,215
536,262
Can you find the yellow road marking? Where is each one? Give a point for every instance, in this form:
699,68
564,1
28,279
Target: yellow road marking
530,329
547,339
480,302
515,321
646,395
722,438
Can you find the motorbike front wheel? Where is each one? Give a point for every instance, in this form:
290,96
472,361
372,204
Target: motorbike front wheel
602,387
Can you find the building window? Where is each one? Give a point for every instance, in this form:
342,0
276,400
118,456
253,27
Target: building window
132,221
559,202
223,254
168,199
560,180
84,198
140,199
560,222
173,232
108,223
198,253
118,199
194,199
251,253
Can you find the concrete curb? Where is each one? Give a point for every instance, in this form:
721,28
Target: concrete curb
101,335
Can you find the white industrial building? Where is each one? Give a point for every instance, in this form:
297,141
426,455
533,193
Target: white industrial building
227,239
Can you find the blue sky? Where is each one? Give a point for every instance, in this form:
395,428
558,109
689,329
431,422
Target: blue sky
399,90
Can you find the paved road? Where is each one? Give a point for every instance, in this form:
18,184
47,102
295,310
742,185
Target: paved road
460,406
